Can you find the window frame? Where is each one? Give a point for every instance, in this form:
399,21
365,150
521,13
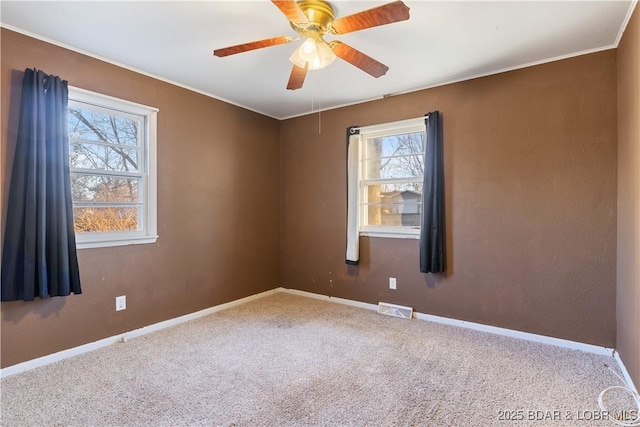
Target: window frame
376,131
147,174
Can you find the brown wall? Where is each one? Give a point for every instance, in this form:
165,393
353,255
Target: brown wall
218,210
530,170
628,295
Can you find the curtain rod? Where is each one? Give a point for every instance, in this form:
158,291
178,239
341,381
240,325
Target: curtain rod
399,123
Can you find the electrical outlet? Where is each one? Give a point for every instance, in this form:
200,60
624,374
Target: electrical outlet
121,303
392,282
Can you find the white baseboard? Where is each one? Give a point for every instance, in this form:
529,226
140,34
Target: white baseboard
558,342
349,302
65,354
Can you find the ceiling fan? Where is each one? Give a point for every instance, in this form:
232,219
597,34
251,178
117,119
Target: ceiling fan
313,19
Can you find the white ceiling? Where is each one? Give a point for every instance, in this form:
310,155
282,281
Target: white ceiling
443,41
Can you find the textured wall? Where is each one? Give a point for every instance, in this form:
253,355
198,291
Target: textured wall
530,169
628,330
218,211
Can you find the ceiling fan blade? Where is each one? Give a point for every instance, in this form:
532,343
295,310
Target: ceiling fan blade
386,14
291,10
296,79
359,59
232,50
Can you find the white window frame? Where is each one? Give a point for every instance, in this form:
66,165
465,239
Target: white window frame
376,131
148,173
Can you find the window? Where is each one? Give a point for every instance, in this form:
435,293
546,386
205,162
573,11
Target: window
112,157
391,171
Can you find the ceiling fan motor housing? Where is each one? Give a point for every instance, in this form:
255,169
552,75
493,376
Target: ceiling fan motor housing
318,12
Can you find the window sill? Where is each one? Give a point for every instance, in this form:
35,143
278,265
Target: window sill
391,234
105,243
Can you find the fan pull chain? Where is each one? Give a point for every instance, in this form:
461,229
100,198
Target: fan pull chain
312,96
319,107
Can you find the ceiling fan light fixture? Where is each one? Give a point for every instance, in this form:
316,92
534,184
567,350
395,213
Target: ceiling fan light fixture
316,53
297,59
325,54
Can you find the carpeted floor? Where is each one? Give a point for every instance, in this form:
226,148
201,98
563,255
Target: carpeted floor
286,360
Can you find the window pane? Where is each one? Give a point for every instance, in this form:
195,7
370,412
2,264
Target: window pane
90,125
394,214
394,204
101,157
395,193
395,145
102,188
395,167
106,219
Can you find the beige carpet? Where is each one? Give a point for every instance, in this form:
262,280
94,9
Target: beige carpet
286,360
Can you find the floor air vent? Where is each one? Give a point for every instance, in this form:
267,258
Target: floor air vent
395,310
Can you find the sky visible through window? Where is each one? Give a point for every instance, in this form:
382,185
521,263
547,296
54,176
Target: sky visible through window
396,157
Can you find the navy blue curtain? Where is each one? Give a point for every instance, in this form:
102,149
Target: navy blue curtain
39,252
432,236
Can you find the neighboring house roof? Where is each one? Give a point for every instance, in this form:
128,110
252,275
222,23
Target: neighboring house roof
406,194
